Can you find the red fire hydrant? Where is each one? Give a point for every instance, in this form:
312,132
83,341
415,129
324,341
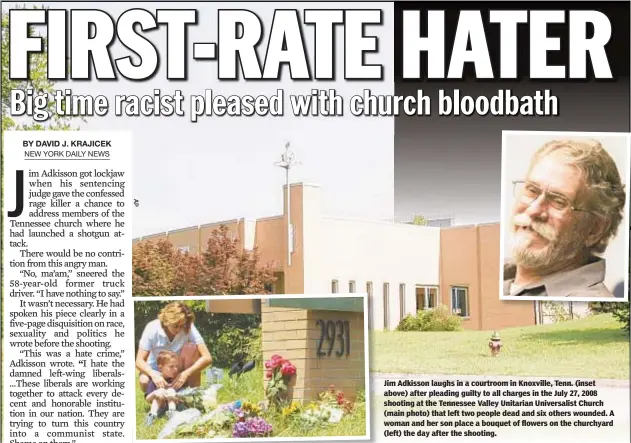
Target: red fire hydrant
495,344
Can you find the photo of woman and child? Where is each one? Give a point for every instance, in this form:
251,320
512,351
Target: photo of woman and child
171,356
264,378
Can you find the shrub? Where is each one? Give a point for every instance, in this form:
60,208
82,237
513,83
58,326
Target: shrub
437,319
254,345
620,311
622,314
409,323
598,307
233,344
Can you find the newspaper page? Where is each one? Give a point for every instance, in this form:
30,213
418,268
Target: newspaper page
315,221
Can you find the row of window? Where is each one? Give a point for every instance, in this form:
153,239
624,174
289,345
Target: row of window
426,297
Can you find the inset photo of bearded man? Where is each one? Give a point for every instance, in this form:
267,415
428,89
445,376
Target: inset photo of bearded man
565,216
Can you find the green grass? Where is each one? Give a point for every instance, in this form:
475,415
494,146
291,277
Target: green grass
249,387
350,425
594,347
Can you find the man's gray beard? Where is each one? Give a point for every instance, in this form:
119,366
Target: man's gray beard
562,250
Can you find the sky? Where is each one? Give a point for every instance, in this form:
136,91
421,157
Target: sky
222,168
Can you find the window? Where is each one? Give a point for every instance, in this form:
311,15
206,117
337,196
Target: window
269,288
369,295
460,301
184,248
402,300
426,297
292,238
351,287
386,307
334,287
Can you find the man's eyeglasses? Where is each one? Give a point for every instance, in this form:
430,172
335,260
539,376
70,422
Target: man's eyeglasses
528,192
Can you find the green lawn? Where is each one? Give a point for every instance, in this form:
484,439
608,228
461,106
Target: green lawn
593,347
249,387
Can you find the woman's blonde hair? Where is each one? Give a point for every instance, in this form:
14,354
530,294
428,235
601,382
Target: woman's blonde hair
176,313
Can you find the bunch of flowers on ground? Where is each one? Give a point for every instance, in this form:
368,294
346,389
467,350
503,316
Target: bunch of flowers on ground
238,419
336,399
248,422
330,408
252,427
292,409
204,399
278,372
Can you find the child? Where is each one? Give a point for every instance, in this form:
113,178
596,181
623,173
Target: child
169,367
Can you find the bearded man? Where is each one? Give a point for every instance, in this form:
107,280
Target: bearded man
566,210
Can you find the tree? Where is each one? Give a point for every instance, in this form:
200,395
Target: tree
619,310
622,314
227,269
38,82
419,220
223,268
159,269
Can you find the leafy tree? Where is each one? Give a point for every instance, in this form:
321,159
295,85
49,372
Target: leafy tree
38,82
159,269
622,315
228,269
619,310
419,220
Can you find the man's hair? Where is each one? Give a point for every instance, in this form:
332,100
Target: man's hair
177,312
605,195
165,357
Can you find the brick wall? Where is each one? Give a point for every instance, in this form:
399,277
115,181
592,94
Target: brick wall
470,259
294,334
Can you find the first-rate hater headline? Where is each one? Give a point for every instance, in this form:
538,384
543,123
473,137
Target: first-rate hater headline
78,45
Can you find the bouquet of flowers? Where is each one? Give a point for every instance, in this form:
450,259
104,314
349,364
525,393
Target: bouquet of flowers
315,415
252,427
335,399
202,399
279,372
236,419
215,424
292,409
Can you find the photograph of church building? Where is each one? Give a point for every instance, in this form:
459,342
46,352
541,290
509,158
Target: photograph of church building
402,267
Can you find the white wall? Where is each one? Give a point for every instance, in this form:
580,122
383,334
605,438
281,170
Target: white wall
375,252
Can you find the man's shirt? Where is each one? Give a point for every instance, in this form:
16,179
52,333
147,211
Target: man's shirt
586,281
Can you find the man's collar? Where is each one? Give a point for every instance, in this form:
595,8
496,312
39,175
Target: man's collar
562,284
